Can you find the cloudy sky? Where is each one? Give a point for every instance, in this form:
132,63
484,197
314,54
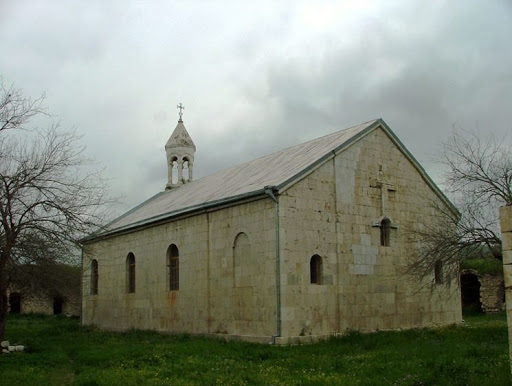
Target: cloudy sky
257,76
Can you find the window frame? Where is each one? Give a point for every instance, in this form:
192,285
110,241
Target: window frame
173,268
130,273
385,232
315,270
438,272
94,277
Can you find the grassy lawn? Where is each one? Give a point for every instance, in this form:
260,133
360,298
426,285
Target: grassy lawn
61,352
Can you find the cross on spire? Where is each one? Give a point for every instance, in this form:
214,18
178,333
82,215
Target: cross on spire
181,108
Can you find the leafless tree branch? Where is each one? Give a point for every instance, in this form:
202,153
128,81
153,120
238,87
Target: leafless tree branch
478,180
17,109
50,193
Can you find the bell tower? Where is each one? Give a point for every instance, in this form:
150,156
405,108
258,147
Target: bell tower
180,150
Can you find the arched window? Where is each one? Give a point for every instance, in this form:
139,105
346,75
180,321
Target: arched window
315,269
94,277
174,170
385,226
242,260
173,267
130,273
186,169
438,272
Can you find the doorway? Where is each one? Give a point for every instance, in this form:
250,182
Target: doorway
58,303
470,294
15,303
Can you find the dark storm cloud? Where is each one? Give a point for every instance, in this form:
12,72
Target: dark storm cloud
257,77
422,82
421,79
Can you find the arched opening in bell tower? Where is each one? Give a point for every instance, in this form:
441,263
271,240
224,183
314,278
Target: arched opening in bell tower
174,170
186,169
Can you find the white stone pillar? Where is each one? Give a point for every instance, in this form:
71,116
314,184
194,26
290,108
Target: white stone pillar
506,244
169,174
180,172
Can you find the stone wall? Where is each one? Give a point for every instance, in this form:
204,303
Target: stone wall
334,213
506,238
228,280
208,301
492,293
44,304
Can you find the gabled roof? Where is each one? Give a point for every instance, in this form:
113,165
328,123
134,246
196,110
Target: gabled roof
277,170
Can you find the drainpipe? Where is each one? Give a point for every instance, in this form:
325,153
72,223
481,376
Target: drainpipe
269,191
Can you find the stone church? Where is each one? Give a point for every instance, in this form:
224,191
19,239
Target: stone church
303,243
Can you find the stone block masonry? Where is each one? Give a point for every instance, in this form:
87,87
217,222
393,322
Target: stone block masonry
506,232
321,255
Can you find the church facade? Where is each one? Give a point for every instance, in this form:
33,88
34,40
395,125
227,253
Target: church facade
303,243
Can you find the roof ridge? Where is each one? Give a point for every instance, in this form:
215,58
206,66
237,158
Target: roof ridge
368,123
241,182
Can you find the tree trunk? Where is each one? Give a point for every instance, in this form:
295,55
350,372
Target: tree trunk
4,307
4,299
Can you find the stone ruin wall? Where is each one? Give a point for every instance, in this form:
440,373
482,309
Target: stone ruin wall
491,293
506,233
43,304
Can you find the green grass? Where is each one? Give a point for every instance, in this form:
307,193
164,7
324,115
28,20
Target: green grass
488,266
61,352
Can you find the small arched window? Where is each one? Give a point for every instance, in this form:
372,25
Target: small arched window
174,170
173,267
385,226
130,273
94,277
438,272
186,169
315,269
242,261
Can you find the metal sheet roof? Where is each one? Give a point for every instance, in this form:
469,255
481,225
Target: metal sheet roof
277,169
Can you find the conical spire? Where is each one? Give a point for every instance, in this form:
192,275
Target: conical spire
180,138
180,150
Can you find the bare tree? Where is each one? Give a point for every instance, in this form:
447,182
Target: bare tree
478,180
480,168
17,109
49,194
